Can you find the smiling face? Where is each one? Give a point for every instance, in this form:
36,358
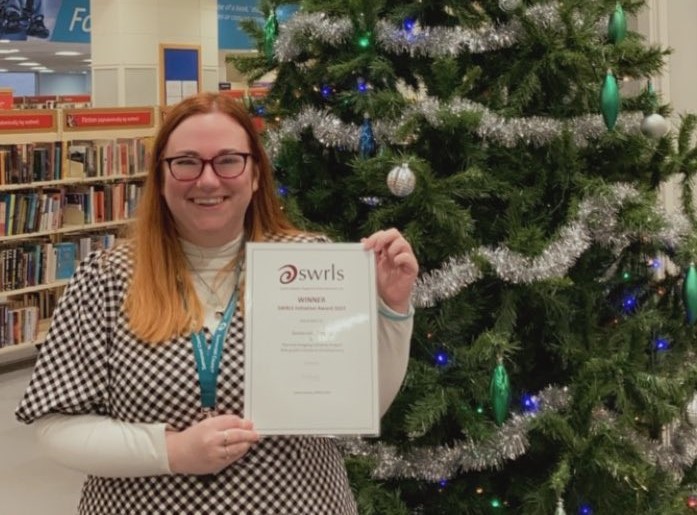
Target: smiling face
209,211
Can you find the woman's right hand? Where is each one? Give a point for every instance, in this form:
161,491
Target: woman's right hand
209,446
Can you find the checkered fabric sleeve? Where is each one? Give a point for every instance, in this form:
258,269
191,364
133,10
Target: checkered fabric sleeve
71,373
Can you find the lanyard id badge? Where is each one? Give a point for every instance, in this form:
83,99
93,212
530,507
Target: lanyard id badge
208,357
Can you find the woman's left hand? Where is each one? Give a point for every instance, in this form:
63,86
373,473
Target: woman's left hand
397,268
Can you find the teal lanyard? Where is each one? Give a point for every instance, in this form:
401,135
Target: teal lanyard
208,356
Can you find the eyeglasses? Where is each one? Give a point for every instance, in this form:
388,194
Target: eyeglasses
190,168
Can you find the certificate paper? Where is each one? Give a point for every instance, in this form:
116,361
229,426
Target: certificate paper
311,359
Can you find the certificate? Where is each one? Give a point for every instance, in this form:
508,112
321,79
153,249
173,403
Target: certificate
311,357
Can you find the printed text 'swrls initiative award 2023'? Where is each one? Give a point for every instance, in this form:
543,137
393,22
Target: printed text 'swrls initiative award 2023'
311,358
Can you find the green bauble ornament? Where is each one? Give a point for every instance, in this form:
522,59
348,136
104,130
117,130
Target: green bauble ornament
610,100
689,292
270,35
500,391
617,27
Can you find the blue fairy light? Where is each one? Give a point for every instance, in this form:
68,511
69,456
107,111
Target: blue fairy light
655,263
443,483
408,25
531,403
661,344
326,91
282,191
366,142
629,303
260,111
361,85
442,359
585,509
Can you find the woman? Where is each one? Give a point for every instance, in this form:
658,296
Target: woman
115,391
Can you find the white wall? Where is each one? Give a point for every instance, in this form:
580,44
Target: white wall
671,24
22,83
63,83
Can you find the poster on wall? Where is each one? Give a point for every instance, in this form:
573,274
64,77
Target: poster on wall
231,12
180,67
66,21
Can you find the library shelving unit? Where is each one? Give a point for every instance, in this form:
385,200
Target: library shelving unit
70,180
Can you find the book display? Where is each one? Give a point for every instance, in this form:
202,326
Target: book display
68,186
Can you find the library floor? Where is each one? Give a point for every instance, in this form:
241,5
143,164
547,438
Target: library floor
30,484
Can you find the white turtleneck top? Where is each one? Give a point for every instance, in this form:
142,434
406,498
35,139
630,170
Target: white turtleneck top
213,286
103,446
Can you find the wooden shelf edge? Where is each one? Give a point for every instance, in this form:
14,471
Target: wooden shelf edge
66,229
20,352
34,289
71,181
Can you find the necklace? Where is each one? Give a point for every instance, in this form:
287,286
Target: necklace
209,270
215,293
213,299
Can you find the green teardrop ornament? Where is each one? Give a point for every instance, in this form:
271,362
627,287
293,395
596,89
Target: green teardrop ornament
500,392
652,99
690,294
617,26
610,100
270,35
560,508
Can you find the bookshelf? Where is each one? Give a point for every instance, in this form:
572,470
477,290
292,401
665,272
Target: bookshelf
70,180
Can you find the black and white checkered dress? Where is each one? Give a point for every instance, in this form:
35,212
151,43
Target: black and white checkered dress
92,363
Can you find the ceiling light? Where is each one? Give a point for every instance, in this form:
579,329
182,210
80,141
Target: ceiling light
67,52
39,68
29,63
3,70
87,60
15,58
45,71
4,40
8,50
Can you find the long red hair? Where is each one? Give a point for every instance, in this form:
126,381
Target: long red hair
161,301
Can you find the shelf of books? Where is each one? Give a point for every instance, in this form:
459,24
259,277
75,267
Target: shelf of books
70,180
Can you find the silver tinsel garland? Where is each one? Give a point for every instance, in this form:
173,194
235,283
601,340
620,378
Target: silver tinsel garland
674,456
426,41
536,131
509,442
445,461
596,221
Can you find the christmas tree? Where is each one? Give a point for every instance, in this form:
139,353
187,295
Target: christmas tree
519,146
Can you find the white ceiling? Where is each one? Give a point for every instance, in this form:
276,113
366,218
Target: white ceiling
44,53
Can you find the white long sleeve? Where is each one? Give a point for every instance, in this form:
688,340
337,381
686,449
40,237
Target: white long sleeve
394,336
103,446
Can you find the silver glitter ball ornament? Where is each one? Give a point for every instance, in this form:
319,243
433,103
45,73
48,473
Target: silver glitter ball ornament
509,5
692,411
401,180
654,126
